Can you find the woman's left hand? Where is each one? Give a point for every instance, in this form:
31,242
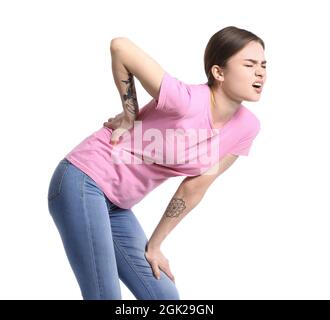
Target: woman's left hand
120,124
158,261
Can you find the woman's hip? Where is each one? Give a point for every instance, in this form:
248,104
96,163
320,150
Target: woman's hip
69,184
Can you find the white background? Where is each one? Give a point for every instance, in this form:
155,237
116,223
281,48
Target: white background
262,229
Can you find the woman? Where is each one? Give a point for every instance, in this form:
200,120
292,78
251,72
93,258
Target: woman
93,189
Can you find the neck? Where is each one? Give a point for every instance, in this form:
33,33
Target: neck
224,107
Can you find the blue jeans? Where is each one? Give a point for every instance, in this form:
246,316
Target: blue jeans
103,242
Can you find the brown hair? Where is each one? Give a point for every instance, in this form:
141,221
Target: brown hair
224,44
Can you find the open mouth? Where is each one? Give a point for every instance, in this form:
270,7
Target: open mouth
257,88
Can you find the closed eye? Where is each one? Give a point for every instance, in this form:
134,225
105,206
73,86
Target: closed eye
252,66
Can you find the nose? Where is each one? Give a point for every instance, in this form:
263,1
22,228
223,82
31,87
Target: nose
261,74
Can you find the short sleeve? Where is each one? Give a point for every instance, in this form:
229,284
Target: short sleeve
174,95
242,148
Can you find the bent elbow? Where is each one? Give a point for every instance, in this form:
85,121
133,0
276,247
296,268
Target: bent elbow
116,43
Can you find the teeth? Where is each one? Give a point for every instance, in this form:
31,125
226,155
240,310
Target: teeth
257,84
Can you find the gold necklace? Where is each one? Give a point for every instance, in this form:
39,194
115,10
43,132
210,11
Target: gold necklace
212,98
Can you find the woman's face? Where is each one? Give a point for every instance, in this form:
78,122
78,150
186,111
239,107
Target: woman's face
241,72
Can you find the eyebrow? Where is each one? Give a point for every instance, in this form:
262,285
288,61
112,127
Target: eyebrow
255,61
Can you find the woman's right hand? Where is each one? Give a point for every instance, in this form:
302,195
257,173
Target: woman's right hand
120,124
158,261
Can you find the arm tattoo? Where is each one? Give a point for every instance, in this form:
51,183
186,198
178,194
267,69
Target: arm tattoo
130,100
175,207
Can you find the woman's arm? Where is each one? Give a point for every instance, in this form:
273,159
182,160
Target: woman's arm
182,202
187,196
129,61
124,81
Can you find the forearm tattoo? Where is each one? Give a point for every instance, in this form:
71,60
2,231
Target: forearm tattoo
175,207
130,100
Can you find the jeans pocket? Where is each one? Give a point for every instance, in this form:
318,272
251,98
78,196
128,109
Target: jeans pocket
56,181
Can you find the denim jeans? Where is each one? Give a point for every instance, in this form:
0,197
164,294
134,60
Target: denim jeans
103,242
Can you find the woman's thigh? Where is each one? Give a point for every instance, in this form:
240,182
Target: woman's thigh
134,270
80,213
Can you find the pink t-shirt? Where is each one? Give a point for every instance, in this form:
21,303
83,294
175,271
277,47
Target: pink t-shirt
171,137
